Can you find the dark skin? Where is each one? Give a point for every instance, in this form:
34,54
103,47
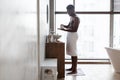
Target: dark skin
71,27
74,24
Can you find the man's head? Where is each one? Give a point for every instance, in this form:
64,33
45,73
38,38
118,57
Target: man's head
70,10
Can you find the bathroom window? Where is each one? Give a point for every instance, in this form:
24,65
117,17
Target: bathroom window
95,30
116,24
116,36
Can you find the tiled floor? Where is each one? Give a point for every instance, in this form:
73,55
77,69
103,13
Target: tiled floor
95,72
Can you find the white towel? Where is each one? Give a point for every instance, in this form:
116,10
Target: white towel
71,43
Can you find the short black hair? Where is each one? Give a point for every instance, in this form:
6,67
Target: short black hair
70,7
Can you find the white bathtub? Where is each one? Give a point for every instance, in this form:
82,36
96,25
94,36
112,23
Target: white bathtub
114,55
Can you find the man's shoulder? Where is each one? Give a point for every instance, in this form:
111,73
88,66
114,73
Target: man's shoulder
76,18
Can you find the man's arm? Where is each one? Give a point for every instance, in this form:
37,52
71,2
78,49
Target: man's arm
74,26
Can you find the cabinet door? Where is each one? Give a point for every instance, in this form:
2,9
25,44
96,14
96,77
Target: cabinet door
54,49
51,50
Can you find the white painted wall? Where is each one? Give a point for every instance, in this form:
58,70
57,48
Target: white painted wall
18,40
44,28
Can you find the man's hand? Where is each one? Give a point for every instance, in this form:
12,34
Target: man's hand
60,28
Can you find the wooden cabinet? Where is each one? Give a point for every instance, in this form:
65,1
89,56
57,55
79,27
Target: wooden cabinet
53,49
57,50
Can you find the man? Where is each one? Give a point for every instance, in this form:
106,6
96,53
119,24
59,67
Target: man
72,37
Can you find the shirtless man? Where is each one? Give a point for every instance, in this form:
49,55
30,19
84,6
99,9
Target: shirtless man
72,37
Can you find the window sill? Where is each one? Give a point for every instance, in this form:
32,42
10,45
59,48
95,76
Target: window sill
88,61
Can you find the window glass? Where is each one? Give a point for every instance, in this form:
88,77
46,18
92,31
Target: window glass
93,34
116,32
117,5
61,4
92,5
61,19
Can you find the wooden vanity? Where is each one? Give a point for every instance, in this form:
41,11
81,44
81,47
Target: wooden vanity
57,50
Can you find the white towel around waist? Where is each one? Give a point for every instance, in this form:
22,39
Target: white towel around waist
71,43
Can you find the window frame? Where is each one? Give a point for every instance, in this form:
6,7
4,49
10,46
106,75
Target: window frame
111,13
